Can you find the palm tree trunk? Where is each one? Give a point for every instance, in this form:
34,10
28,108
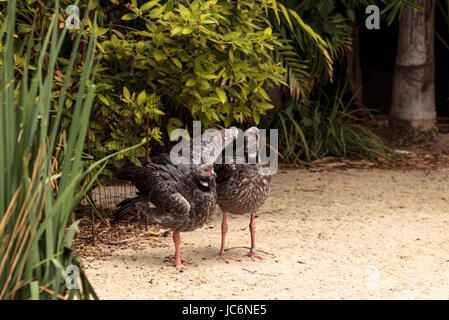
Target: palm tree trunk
355,67
413,111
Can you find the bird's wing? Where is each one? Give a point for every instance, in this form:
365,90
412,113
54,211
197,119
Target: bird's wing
228,168
170,187
140,177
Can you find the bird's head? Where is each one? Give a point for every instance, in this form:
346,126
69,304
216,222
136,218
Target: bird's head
205,174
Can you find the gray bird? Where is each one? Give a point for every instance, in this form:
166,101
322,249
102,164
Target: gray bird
241,188
177,196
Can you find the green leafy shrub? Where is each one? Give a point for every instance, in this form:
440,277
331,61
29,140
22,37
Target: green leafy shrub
162,64
211,58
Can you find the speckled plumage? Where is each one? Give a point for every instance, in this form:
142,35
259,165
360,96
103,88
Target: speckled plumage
241,188
171,196
209,149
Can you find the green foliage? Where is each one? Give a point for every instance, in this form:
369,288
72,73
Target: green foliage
38,193
319,34
209,57
162,64
326,127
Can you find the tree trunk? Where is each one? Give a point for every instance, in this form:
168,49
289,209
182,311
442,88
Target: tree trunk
413,111
354,65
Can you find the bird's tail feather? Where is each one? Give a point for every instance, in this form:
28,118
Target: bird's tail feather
154,214
127,205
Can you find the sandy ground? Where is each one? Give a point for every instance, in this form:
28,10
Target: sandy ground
344,234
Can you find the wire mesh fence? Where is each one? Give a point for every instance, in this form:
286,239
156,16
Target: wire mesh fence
107,190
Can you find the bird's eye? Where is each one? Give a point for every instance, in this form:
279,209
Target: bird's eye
207,170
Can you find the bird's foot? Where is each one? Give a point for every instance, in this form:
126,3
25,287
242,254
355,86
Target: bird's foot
253,255
180,266
179,263
223,257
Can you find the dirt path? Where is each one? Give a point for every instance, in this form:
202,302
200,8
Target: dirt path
354,234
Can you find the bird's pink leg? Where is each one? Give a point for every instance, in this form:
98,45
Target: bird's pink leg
224,230
178,260
252,228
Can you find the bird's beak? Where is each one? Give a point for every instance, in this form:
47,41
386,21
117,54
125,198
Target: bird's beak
212,173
